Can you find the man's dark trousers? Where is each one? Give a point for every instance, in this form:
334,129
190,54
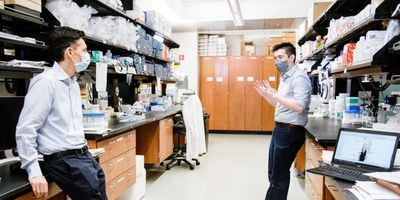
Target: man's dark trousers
78,175
285,143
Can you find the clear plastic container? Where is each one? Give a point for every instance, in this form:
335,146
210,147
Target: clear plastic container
367,117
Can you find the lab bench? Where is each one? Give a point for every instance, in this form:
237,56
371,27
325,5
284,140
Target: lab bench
151,137
321,134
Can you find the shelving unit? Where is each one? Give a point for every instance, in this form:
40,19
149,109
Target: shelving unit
14,14
125,50
105,9
337,9
314,56
22,43
382,58
17,72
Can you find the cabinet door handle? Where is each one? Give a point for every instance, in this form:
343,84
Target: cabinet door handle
121,179
119,139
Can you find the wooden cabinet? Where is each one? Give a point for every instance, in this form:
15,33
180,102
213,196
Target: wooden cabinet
270,73
314,182
227,92
166,138
237,93
207,79
315,185
221,95
119,184
155,141
118,160
253,102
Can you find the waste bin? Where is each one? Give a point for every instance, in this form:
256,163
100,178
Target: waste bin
206,116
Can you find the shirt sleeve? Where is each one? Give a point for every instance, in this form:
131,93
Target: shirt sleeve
37,106
302,90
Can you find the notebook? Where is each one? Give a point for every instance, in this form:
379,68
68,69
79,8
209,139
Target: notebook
358,152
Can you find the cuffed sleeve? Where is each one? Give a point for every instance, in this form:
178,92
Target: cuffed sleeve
37,106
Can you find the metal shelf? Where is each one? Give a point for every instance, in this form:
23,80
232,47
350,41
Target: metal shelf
337,9
105,9
22,43
354,32
354,66
349,35
314,56
167,40
12,13
100,42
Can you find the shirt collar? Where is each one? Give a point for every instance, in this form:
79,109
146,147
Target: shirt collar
290,72
60,73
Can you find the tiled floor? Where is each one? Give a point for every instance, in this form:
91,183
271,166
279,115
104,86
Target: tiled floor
235,168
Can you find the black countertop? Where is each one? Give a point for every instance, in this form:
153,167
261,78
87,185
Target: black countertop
12,184
151,116
323,130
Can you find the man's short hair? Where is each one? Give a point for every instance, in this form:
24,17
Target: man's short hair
61,39
290,49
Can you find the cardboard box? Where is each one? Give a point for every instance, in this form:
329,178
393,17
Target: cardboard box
35,5
348,53
316,10
248,49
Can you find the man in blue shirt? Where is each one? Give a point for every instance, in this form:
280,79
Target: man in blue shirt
51,124
291,103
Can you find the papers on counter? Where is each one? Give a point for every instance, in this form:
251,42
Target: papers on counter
96,130
327,156
368,190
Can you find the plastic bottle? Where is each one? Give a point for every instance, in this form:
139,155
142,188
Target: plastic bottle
109,54
360,48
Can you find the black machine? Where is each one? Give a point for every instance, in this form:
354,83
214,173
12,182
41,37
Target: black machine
10,108
358,152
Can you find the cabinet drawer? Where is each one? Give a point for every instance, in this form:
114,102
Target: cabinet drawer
316,180
121,183
117,145
118,165
335,192
312,193
166,142
313,150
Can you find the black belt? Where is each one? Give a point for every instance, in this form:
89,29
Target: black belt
65,153
286,125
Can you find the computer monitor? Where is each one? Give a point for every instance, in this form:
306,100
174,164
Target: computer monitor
10,108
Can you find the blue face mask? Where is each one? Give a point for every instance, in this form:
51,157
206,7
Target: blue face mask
83,65
282,66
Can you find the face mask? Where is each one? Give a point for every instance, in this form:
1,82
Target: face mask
282,66
83,65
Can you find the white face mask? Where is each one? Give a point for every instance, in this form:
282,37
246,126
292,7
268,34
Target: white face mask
84,64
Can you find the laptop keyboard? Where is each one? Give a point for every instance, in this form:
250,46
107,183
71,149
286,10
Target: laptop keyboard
344,173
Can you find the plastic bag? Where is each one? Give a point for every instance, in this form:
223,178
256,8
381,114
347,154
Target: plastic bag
392,30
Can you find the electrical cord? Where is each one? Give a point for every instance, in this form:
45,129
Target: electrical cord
366,93
380,88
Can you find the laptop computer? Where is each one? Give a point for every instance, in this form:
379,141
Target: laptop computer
360,151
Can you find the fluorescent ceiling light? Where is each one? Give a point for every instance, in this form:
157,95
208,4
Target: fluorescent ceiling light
236,12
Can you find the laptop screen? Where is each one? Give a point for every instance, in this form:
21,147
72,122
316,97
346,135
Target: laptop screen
362,148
